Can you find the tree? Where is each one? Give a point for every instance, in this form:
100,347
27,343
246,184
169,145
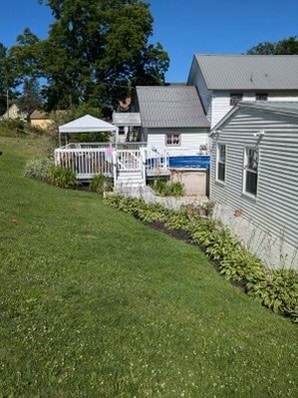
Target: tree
287,46
8,81
97,50
3,86
30,98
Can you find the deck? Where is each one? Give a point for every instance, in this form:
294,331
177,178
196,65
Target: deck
90,159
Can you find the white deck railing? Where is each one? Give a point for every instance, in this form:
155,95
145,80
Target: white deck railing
85,162
90,159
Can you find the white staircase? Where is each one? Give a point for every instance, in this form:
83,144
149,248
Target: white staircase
129,179
130,170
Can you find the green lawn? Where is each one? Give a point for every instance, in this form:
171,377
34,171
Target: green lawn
95,304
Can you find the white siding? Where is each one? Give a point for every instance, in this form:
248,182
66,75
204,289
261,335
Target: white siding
275,209
196,79
221,101
190,139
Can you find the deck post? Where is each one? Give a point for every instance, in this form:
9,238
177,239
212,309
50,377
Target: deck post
114,157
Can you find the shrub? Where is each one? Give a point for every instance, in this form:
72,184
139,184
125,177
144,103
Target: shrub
12,127
100,184
168,188
62,177
240,264
278,290
38,169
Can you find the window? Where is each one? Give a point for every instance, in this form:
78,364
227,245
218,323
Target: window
173,139
261,96
221,162
235,98
251,160
121,130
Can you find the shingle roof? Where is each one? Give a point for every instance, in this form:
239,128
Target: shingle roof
39,115
249,72
171,106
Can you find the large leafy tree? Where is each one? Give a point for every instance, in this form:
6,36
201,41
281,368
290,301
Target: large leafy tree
8,80
288,46
98,50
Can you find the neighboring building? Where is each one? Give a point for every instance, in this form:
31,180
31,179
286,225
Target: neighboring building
173,122
129,125
14,112
254,177
224,80
172,118
41,120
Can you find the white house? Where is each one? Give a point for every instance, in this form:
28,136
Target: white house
174,122
254,177
172,118
224,80
129,126
13,113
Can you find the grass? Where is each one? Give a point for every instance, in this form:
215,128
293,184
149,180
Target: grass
95,304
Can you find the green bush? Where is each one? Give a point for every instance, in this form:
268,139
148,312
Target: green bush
278,290
100,184
62,177
240,264
38,169
168,188
12,127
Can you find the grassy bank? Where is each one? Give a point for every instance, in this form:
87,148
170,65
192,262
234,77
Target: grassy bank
95,304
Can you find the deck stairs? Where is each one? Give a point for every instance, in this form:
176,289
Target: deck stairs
129,179
130,172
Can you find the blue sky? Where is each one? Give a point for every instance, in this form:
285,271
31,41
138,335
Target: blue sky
183,27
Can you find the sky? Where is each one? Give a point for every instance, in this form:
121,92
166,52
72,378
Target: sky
183,27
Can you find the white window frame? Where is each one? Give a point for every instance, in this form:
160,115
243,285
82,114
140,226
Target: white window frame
252,170
221,161
171,138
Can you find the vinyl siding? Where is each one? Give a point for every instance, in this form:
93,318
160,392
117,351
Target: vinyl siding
221,101
275,207
196,79
190,139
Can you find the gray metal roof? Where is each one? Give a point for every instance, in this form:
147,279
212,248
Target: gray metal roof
289,108
171,106
282,107
249,72
126,119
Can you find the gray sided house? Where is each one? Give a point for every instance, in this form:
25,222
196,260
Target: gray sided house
254,177
174,122
224,80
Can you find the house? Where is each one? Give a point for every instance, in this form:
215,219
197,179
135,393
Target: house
13,113
224,80
173,122
254,177
129,126
41,120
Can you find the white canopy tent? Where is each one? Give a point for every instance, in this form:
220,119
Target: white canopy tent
87,124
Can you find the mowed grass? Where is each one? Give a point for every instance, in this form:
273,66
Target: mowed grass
95,304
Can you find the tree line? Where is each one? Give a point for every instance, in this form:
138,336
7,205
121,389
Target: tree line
95,54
